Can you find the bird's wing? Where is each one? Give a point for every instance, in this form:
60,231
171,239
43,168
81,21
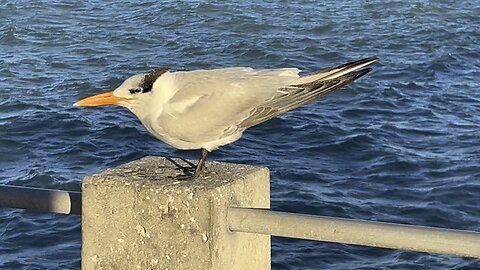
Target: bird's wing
209,102
292,97
215,103
306,89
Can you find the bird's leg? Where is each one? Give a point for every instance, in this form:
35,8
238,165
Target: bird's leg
201,162
199,168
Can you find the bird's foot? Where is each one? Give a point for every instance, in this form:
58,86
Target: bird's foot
189,173
185,176
194,171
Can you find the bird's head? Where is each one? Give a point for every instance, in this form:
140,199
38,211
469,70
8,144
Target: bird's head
131,92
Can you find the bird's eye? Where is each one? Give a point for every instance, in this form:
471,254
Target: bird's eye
135,90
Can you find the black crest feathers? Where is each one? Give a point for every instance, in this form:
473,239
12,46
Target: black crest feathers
150,78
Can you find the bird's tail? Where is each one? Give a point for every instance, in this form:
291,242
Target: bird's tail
308,88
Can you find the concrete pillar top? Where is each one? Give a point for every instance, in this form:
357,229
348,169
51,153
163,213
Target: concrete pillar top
159,171
139,216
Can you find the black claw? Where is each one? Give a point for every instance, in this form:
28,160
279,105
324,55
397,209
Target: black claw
193,172
184,176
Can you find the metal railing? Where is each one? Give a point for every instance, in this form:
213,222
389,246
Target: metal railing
357,232
40,199
261,221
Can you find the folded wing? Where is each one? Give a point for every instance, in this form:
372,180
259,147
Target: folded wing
306,89
212,104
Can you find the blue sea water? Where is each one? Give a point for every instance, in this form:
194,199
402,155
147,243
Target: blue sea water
398,145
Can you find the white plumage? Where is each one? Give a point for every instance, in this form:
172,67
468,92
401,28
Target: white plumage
205,109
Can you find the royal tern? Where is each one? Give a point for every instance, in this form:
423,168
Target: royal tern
206,109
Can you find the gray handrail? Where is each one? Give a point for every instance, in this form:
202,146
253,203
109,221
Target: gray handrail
263,221
357,232
40,199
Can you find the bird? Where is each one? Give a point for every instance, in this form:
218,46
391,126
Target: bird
206,109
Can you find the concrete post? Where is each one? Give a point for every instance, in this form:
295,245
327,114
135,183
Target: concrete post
137,216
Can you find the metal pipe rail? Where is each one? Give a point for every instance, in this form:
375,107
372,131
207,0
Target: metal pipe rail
357,232
262,221
40,199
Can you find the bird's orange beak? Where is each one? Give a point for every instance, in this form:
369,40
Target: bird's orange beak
100,100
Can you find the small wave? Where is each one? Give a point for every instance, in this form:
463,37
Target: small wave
9,36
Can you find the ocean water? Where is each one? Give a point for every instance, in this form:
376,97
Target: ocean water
399,145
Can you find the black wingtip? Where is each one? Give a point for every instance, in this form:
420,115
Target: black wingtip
359,73
363,61
369,59
373,58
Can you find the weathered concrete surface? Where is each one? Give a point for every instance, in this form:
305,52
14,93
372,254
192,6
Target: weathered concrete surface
137,216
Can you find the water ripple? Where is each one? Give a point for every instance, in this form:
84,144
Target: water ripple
398,145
